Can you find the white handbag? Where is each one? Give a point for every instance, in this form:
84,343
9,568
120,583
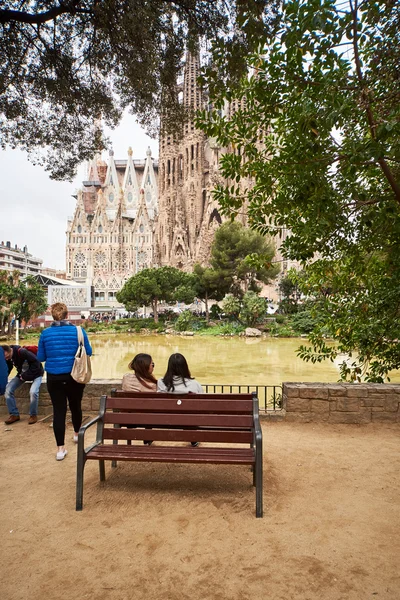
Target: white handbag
82,369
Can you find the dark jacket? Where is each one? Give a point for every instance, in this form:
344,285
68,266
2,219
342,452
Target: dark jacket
3,373
19,356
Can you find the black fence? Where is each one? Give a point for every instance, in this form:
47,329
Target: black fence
269,396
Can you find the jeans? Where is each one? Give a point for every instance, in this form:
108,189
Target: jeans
13,385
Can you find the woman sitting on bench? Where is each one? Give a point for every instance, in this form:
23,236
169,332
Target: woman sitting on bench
178,380
142,379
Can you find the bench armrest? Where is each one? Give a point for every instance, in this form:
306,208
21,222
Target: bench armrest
99,419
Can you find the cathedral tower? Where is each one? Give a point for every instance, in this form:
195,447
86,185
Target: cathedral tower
110,237
181,181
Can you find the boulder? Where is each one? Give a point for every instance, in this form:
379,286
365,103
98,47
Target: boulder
252,332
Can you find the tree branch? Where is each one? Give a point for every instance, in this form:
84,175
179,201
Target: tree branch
365,96
71,7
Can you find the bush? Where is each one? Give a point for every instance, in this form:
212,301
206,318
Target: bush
253,309
215,311
280,319
303,322
184,321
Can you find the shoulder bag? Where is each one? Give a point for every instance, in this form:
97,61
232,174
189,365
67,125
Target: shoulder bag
82,369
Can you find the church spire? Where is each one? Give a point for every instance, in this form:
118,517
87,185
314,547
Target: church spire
191,89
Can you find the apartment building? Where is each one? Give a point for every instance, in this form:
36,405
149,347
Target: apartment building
15,259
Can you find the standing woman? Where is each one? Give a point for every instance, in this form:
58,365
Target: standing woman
142,378
57,348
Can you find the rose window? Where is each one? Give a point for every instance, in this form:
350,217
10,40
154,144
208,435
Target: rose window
80,258
100,258
122,257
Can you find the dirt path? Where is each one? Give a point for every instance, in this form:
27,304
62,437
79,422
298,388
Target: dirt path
166,532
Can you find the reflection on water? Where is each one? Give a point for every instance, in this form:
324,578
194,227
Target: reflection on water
211,360
247,361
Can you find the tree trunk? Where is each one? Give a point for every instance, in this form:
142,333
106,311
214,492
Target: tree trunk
155,307
207,311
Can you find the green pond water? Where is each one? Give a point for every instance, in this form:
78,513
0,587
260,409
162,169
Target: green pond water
211,360
214,360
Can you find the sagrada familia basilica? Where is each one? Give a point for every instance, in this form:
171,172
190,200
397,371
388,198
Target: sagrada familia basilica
131,214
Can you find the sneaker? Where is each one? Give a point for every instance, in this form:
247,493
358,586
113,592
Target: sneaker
32,420
147,442
61,455
12,419
194,444
75,438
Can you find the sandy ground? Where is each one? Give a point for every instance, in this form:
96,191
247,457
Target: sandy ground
176,532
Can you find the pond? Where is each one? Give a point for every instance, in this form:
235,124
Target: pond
214,360
252,361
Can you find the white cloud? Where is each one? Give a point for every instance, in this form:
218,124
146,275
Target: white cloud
34,209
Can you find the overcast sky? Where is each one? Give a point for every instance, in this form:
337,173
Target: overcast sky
34,209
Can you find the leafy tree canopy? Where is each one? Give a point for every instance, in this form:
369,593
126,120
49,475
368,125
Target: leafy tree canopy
24,299
66,64
320,134
242,258
149,286
207,285
290,293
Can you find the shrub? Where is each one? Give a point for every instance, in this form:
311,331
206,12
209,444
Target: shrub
184,321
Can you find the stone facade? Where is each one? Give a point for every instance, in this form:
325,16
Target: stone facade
188,172
133,214
341,402
110,237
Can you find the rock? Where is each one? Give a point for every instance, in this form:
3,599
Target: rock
252,332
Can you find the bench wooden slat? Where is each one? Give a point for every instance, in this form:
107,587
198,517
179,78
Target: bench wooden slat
181,403
168,435
198,420
173,454
163,395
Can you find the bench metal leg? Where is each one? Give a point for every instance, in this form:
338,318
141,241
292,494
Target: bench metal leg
79,481
114,462
259,487
102,470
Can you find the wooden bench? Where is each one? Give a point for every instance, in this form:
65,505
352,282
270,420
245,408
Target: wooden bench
228,419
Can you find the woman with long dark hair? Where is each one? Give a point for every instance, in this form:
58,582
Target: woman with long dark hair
177,379
142,378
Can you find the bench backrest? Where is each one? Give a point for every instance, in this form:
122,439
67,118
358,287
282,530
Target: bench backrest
219,418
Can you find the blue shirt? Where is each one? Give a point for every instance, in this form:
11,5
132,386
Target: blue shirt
3,372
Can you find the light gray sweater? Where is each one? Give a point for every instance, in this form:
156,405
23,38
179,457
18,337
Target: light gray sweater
181,387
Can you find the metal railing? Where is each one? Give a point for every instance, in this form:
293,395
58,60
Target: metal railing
269,396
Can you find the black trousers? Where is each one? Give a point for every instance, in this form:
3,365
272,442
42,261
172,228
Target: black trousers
63,389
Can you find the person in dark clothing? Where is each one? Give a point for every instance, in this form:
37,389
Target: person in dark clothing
29,368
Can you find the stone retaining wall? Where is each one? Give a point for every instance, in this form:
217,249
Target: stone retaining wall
304,402
90,401
342,402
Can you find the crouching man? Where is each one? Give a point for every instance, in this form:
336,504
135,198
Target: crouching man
28,369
